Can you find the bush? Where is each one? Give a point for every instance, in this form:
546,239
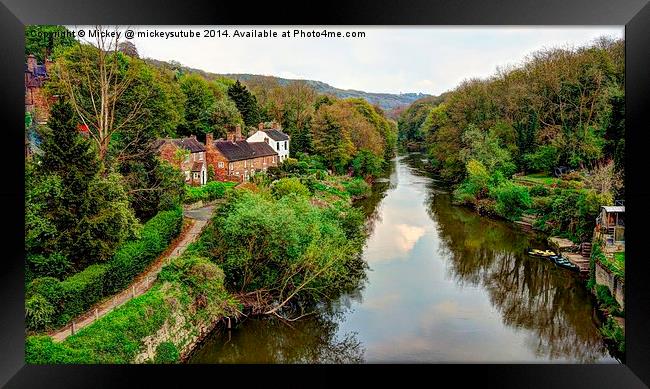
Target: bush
77,293
357,187
539,190
53,265
166,353
81,291
606,301
39,313
285,186
211,191
612,331
511,199
543,159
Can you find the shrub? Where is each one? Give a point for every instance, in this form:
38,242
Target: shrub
38,312
211,191
511,199
606,301
612,331
357,187
539,190
284,186
77,293
53,265
166,353
543,159
81,291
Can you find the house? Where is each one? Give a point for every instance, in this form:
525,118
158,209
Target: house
237,159
274,137
610,224
36,101
188,154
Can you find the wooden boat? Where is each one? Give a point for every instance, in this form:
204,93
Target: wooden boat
541,253
565,263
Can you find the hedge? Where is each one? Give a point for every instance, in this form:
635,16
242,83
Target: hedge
211,191
77,293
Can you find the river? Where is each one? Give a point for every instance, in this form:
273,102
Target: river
443,285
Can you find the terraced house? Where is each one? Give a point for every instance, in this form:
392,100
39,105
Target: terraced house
274,137
236,159
188,154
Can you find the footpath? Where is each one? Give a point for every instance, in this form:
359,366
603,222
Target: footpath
198,218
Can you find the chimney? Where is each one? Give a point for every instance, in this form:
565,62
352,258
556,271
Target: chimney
230,136
238,132
48,66
193,136
209,141
31,63
260,126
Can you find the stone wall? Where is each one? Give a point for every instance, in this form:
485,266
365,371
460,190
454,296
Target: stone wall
615,284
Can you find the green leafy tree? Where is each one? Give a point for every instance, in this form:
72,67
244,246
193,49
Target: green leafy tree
246,103
199,106
45,41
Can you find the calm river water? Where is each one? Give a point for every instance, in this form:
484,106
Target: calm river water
443,285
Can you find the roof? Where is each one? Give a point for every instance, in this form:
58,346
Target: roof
614,208
197,166
276,135
241,149
191,144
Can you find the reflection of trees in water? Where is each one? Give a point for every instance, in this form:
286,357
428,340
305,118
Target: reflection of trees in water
528,292
371,205
269,340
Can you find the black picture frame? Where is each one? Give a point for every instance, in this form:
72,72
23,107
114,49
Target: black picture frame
634,14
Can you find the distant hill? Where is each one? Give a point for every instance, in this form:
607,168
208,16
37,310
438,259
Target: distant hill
387,101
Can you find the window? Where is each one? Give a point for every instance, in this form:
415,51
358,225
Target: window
245,163
274,158
196,175
285,144
277,146
221,165
232,166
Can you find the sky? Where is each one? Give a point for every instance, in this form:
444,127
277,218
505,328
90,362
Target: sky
428,60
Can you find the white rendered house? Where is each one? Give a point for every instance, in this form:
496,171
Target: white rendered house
275,138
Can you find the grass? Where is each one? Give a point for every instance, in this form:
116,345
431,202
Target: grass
538,179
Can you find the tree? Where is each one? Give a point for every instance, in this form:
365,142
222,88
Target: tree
199,106
128,48
331,140
44,41
225,115
95,79
246,103
70,208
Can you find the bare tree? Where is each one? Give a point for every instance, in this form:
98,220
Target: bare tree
95,85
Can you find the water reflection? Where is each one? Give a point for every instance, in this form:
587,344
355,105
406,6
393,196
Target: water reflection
444,285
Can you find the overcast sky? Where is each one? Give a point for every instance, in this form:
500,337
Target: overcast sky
394,60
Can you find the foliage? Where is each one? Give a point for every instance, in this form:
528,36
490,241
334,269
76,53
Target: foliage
357,187
46,41
77,293
286,186
545,158
199,106
191,287
511,199
561,106
313,252
38,312
210,191
246,103
71,208
539,190
611,330
367,164
166,353
606,301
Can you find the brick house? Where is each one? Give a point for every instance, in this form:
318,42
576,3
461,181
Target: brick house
188,154
236,159
36,102
274,137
